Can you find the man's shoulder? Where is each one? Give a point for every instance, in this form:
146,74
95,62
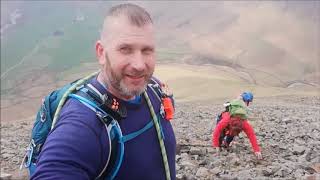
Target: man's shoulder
75,106
75,112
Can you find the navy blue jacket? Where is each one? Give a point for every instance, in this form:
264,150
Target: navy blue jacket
78,146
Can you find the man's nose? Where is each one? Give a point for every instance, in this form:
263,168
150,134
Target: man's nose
138,62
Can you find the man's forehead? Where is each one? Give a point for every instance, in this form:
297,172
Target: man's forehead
132,39
121,31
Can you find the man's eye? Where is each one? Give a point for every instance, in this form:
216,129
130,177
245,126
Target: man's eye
147,51
125,50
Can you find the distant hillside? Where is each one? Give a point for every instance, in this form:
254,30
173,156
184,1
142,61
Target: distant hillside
279,38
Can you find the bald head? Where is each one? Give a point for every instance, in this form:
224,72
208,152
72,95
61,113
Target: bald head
136,15
131,13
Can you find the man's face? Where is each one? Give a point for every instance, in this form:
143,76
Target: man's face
129,58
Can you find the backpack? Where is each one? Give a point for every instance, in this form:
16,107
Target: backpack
237,108
238,114
84,92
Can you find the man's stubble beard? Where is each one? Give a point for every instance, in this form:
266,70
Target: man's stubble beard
117,82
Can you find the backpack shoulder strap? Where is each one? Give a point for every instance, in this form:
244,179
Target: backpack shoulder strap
109,110
112,104
113,129
64,97
160,138
155,86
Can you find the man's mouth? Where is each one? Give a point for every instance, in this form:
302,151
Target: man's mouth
135,77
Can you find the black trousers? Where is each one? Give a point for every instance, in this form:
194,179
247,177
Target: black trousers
228,139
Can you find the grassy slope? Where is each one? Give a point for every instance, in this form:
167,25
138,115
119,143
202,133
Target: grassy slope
200,84
205,83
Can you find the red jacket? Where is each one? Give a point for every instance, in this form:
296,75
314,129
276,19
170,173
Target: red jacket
247,128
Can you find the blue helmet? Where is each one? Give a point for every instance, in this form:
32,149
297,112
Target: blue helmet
247,97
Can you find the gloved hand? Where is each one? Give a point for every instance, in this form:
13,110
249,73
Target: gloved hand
258,155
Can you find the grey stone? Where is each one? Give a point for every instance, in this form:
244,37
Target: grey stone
6,156
202,172
286,120
283,172
184,156
279,173
275,169
283,147
228,177
178,167
215,171
190,177
197,151
298,173
5,176
244,174
298,150
267,172
311,155
187,164
204,162
178,157
234,160
181,177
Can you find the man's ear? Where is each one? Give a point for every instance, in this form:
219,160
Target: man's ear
100,52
